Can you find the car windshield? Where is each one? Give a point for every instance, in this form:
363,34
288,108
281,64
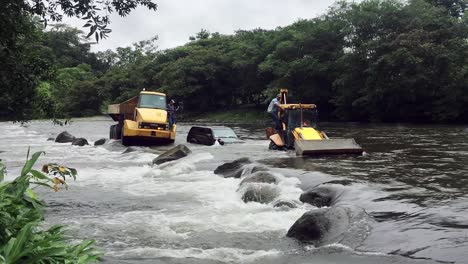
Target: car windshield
152,101
224,133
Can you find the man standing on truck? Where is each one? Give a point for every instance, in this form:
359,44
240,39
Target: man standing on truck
273,109
171,109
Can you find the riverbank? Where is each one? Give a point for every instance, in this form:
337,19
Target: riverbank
240,115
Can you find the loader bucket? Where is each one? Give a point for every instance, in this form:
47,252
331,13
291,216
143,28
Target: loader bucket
334,146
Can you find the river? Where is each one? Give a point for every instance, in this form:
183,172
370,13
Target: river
412,183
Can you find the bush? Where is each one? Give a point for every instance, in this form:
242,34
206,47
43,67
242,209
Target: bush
22,240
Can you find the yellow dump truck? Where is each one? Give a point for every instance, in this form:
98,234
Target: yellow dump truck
142,120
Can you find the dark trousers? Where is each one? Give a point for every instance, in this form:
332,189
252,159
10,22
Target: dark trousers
171,121
275,118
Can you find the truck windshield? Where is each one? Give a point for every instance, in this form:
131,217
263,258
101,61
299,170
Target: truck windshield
152,101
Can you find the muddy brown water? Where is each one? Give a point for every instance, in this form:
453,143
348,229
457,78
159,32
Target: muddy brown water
412,183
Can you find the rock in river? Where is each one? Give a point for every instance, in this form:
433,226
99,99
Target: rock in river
100,142
174,153
311,226
232,169
321,196
285,203
347,225
260,193
260,176
64,137
80,142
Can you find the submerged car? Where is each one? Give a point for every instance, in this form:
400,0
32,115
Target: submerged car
209,135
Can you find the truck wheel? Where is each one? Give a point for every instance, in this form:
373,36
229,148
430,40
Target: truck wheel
118,131
112,132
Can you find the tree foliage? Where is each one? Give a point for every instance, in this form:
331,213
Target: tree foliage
24,49
376,60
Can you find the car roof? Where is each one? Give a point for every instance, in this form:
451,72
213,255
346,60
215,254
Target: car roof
213,127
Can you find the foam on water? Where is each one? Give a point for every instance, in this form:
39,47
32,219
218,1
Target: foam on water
214,202
232,255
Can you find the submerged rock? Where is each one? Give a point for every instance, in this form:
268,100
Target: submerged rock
99,142
284,203
342,182
321,196
311,226
232,169
51,139
260,176
260,193
130,149
80,142
347,225
174,153
64,137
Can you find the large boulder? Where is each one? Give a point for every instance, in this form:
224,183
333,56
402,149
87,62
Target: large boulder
64,137
232,169
347,225
174,153
80,142
260,193
260,176
311,226
99,142
321,196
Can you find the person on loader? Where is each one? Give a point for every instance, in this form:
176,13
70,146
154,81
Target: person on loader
273,109
171,109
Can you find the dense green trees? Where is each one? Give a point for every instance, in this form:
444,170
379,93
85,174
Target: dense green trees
25,51
377,60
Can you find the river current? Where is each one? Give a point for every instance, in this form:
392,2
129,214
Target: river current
412,183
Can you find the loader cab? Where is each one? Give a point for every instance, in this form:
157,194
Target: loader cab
152,100
298,115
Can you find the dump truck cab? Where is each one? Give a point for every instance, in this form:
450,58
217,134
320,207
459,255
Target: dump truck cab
142,120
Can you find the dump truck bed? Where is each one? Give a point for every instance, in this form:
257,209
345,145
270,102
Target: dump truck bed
334,146
123,110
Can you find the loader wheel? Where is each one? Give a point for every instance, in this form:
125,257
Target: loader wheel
272,146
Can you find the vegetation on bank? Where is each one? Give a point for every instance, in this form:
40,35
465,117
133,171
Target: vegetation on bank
377,60
249,115
22,238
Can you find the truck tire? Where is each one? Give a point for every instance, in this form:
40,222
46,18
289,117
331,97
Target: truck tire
112,132
118,131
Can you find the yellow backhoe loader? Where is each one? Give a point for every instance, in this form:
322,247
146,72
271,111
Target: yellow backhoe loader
299,123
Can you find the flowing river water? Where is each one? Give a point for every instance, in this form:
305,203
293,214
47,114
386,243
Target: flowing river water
412,183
